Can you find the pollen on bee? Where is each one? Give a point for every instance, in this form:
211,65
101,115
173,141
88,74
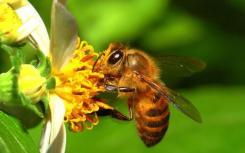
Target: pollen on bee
78,85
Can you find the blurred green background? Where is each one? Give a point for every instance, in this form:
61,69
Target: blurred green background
210,30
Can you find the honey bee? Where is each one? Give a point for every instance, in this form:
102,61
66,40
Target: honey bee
135,75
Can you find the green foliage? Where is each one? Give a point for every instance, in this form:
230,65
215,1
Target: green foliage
43,64
176,30
12,100
101,22
14,138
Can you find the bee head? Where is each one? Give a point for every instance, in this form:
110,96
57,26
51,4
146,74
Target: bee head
110,62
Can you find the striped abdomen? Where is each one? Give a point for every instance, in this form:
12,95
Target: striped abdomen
151,119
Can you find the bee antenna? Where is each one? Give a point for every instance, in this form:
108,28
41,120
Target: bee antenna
97,61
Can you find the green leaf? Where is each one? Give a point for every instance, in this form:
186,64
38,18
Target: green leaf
45,101
13,137
51,83
43,64
15,103
16,56
12,101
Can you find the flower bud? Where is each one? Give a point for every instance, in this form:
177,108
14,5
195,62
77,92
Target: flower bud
31,83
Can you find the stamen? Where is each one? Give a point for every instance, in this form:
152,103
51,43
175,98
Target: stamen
77,85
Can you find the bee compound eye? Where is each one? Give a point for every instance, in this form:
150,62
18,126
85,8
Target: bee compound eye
115,57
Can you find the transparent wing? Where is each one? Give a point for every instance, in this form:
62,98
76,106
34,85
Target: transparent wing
184,105
180,66
179,102
63,35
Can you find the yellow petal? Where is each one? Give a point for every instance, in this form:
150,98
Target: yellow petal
15,3
9,24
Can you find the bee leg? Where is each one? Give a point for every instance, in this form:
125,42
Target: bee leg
113,113
130,109
126,89
110,87
118,115
120,89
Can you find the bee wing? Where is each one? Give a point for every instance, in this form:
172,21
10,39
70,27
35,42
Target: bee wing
179,101
180,66
184,105
63,35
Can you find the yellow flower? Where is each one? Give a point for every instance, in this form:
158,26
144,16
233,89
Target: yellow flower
77,85
73,98
9,17
20,20
15,3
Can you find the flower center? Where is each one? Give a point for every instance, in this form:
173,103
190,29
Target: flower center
78,86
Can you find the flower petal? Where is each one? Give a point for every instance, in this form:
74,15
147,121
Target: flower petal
59,143
64,31
57,109
54,131
44,144
27,28
39,34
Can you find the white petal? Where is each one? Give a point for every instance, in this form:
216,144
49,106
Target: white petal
44,144
27,28
64,31
57,110
59,143
27,14
54,130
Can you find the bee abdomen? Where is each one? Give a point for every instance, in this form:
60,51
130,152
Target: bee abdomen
152,124
157,123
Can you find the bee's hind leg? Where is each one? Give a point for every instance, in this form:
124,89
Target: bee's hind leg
113,113
118,115
130,107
